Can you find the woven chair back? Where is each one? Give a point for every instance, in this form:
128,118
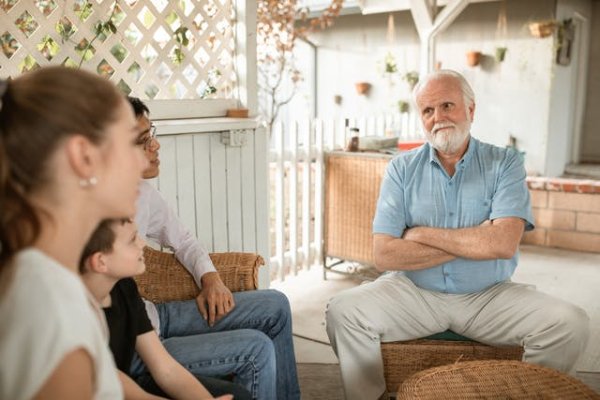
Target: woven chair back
165,279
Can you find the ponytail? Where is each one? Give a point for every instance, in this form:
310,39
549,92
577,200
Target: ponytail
19,223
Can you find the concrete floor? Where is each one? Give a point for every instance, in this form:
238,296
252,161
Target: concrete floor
573,276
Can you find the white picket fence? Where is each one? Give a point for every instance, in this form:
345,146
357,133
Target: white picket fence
297,182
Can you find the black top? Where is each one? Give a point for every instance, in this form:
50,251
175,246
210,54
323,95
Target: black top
126,319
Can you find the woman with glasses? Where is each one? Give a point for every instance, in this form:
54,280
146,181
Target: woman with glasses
219,332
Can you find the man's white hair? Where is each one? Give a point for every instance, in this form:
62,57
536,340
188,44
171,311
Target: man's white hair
468,94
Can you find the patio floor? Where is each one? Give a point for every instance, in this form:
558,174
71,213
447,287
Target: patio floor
573,276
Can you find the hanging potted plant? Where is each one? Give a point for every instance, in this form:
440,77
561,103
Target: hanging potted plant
500,53
473,58
389,64
501,32
403,106
412,78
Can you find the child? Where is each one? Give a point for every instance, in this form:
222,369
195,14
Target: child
112,256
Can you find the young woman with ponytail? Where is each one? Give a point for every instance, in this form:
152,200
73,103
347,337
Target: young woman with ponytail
69,158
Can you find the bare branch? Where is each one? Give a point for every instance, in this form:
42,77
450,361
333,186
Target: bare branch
279,24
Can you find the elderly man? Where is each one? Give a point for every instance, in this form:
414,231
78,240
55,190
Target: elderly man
449,219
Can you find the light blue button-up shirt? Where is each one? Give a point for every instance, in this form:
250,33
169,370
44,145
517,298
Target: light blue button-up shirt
489,183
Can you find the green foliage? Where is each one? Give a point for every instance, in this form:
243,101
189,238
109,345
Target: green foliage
182,40
28,64
213,76
48,47
403,106
83,9
107,26
65,29
390,66
412,77
180,35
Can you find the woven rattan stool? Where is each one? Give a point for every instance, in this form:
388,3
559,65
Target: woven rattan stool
403,359
493,379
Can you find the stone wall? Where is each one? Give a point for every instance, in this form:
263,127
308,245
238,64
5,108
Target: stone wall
567,213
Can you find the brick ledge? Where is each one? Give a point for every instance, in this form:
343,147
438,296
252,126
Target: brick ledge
563,185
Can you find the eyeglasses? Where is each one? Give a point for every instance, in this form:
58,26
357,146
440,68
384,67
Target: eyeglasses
146,141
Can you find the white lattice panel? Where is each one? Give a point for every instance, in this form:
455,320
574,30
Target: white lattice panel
140,56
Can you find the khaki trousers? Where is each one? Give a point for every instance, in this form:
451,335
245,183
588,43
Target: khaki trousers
552,331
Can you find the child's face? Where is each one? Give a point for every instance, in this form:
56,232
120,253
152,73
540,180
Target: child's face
127,256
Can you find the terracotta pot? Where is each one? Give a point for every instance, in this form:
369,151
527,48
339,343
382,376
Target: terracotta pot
473,58
362,88
542,29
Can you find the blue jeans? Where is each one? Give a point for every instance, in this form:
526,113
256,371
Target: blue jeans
253,342
215,387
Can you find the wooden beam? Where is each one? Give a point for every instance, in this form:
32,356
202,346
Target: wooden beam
448,15
422,15
430,25
386,6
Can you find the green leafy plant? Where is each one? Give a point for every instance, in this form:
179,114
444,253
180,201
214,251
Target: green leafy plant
390,66
101,28
500,53
403,106
210,88
182,40
65,29
83,11
412,78
109,25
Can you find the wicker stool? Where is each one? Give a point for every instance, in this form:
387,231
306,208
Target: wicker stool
403,359
493,379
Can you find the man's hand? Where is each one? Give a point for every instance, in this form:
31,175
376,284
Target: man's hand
215,299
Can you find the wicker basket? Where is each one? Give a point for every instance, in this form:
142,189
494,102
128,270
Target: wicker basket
403,359
166,279
352,189
493,379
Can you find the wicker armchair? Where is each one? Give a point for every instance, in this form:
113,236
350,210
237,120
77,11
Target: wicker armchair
493,379
166,279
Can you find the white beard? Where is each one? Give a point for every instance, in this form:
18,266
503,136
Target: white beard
448,141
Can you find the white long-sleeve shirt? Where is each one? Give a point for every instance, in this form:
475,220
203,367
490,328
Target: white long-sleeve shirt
158,223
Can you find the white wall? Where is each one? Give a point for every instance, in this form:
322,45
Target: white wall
353,51
590,143
513,98
220,191
566,97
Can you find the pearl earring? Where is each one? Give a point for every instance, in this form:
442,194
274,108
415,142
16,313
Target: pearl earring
88,182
